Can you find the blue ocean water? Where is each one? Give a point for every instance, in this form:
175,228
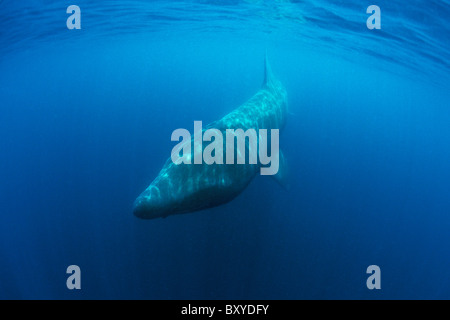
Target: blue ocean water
85,123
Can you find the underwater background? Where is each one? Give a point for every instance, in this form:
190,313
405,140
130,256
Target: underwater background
85,123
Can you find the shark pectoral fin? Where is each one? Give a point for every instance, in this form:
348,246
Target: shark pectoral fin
282,176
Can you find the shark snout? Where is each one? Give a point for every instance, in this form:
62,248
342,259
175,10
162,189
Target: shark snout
148,206
145,209
140,210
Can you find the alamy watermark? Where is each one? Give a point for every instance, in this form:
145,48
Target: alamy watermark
374,21
374,280
213,153
74,20
74,280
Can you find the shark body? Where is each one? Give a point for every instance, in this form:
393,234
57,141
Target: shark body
183,188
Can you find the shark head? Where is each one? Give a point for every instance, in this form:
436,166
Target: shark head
163,196
186,188
150,205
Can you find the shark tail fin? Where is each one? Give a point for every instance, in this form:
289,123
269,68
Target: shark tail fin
267,72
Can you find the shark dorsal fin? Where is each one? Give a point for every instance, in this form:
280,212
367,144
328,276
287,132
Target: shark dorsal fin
267,72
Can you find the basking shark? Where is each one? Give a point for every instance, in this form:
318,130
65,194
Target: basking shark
183,188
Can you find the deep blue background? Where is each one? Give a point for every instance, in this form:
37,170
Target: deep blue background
85,124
